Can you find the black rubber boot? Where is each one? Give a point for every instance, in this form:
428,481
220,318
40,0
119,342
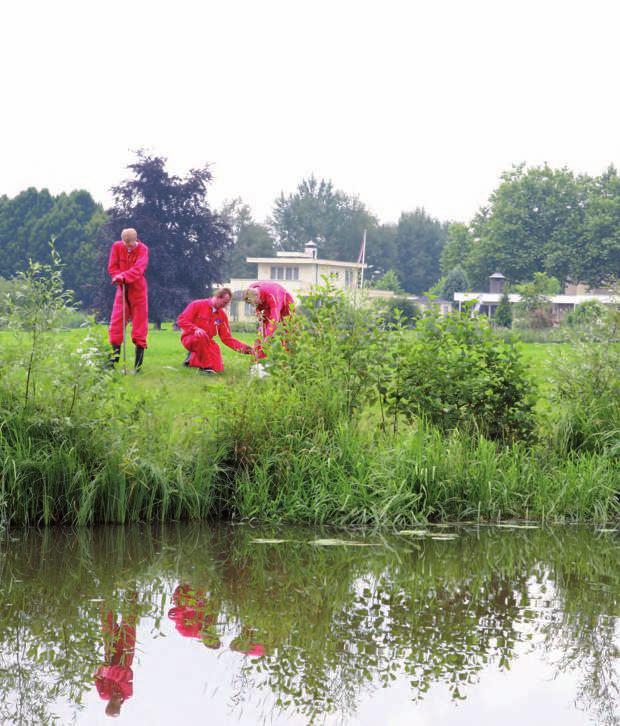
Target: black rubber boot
139,358
115,356
187,357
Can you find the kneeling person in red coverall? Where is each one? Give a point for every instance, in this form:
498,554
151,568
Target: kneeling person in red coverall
127,264
200,322
273,305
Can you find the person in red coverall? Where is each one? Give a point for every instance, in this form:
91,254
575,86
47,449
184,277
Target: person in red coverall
193,613
273,305
245,643
127,264
114,679
200,322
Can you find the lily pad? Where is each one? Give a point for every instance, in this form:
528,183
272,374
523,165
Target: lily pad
518,526
340,542
270,541
444,536
414,532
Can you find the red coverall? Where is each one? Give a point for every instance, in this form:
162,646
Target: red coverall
132,266
115,677
192,613
274,305
205,352
244,643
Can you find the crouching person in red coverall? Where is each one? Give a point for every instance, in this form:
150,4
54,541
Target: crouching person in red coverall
246,644
200,322
273,305
114,679
194,614
127,264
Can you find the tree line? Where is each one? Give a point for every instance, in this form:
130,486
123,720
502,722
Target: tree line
538,219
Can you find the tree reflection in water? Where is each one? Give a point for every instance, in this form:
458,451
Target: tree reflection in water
315,626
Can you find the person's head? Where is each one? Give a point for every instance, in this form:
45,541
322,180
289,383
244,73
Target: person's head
251,296
222,297
113,706
129,237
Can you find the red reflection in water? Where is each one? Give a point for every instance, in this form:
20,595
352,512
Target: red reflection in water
114,678
193,614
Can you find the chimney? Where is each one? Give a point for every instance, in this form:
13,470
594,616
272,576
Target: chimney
497,282
310,249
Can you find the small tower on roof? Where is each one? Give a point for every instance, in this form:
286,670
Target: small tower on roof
496,283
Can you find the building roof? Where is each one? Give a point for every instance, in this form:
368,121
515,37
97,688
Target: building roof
293,259
495,297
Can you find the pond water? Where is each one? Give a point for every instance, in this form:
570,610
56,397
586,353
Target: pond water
237,624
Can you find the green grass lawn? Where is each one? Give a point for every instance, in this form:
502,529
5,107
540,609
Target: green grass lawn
180,393
185,391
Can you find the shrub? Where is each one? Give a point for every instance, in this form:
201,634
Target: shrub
585,314
410,312
585,391
457,374
503,314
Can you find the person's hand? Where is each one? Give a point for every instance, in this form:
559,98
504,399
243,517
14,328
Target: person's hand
247,350
200,333
118,280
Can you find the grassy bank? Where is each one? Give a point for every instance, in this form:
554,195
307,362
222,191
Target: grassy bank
331,437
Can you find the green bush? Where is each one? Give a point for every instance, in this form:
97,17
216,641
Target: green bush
585,314
585,391
410,312
457,374
503,314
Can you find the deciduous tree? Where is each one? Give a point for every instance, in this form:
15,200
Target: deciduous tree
188,241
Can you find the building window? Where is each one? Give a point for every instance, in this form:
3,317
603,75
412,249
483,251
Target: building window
285,273
348,277
249,310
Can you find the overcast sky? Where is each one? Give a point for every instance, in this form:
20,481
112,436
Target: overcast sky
404,103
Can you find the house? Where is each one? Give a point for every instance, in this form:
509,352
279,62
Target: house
298,272
485,303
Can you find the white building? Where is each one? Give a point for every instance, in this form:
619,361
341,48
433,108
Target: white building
298,272
486,303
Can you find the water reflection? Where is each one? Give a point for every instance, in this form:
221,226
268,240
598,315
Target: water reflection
114,678
194,614
301,629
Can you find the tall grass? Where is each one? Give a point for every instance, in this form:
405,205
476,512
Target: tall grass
62,473
351,475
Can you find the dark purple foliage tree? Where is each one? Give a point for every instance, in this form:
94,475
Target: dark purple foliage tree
188,243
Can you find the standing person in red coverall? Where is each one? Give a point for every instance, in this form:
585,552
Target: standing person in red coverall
193,613
273,305
200,322
127,264
114,679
